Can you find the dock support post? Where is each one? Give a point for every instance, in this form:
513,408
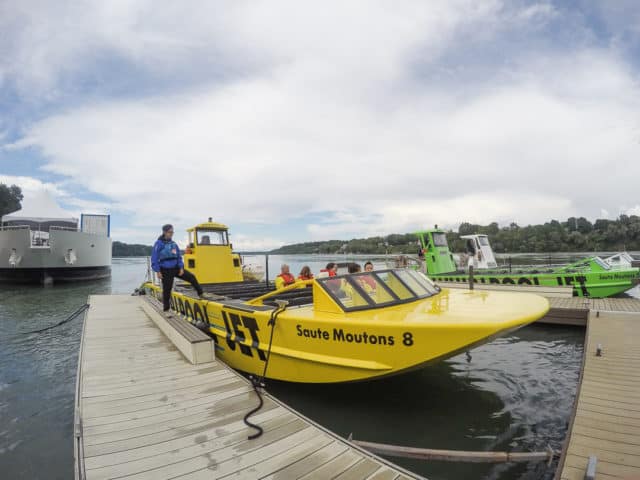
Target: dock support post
470,273
266,268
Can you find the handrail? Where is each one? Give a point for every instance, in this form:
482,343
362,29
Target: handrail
16,227
58,227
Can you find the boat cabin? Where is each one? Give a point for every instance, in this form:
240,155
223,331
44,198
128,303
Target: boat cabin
40,216
621,261
439,259
478,248
369,290
209,254
434,248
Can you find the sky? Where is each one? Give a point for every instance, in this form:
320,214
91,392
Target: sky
297,121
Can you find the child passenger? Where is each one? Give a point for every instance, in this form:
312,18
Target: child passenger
305,273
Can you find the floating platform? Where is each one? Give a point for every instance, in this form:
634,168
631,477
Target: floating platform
144,411
565,308
604,435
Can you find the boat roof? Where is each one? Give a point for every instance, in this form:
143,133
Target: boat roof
40,207
474,235
208,225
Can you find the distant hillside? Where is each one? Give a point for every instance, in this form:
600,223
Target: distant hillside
573,235
403,243
120,249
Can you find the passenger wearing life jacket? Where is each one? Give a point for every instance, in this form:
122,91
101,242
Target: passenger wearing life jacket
329,271
285,278
368,267
167,262
305,273
346,287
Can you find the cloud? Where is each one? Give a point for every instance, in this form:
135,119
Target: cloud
279,112
633,210
30,185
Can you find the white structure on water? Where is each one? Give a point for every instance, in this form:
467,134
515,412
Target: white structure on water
42,243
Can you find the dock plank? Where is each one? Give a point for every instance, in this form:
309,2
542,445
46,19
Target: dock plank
145,412
606,420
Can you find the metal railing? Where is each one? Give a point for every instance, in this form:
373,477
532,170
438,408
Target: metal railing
15,227
68,229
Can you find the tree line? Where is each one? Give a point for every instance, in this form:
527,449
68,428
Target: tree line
121,249
573,235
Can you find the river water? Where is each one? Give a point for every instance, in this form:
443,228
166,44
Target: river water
515,393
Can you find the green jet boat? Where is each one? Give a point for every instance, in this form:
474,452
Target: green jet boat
590,277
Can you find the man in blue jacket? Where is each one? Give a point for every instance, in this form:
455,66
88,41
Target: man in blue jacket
167,262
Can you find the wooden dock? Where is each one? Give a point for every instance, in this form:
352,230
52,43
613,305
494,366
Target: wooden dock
565,308
144,411
606,421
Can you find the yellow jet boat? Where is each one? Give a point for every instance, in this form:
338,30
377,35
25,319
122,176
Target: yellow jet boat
340,329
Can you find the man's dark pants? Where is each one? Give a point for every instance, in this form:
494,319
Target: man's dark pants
168,275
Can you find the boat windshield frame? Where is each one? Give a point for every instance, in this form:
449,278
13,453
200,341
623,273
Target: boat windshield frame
392,287
440,239
201,232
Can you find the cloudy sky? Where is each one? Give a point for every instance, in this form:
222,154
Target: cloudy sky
295,121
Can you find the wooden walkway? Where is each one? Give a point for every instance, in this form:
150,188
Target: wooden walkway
606,421
575,310
144,412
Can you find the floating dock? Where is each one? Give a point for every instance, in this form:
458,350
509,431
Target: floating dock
153,403
603,441
565,308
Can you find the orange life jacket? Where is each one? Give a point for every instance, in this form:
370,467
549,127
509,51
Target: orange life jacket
331,273
288,278
302,277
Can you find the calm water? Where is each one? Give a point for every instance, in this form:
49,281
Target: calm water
515,393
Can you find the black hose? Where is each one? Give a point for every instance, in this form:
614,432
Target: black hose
68,319
256,388
258,383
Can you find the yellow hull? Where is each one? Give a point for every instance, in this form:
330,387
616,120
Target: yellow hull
313,346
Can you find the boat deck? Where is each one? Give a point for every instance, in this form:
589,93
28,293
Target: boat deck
606,420
143,411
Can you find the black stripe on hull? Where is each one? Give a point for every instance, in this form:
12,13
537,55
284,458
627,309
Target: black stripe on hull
55,275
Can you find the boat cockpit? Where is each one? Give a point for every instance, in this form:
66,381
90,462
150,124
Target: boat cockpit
342,293
383,288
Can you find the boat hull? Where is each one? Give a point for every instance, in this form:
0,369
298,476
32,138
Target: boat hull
316,347
44,276
587,284
44,265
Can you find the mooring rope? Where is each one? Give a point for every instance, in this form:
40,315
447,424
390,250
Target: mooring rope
258,383
66,320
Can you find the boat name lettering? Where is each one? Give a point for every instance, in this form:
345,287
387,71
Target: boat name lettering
617,276
340,335
234,324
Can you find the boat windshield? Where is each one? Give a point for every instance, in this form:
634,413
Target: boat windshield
383,288
439,239
484,241
211,237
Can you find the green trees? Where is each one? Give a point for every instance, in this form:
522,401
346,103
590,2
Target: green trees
573,235
10,198
120,249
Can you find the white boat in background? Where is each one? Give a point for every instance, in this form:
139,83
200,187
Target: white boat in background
42,243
